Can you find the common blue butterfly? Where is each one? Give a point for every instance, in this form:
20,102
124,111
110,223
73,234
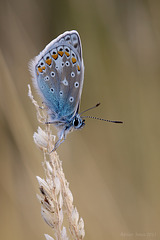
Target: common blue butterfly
58,74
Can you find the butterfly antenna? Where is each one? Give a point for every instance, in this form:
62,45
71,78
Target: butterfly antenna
90,108
106,120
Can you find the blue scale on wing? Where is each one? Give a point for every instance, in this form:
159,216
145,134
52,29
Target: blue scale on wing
49,88
68,77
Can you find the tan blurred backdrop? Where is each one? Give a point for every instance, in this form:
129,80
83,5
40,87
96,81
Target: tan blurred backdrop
113,170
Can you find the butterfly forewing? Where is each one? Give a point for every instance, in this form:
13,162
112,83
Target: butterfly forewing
59,74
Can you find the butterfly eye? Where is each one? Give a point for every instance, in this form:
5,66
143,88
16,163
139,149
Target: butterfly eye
76,122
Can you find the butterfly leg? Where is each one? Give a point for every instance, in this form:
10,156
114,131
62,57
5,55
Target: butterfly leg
49,122
60,140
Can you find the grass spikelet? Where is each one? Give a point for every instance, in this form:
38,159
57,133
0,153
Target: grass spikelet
55,196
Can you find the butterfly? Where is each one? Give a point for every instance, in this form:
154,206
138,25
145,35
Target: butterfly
58,75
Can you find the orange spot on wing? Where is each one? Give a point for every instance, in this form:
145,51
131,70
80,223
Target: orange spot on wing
78,67
74,60
49,61
60,53
40,69
55,56
37,73
67,54
43,68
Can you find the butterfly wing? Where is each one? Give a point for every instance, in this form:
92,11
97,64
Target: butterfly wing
58,74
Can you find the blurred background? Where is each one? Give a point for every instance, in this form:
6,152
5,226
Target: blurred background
113,170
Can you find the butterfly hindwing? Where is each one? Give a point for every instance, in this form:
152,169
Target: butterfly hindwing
59,74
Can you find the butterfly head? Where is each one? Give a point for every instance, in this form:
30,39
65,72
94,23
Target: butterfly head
78,122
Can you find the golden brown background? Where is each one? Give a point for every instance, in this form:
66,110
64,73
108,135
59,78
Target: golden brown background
113,170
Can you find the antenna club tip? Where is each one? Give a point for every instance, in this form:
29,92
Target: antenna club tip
98,104
118,122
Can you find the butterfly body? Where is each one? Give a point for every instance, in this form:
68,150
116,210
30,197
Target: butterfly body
58,74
